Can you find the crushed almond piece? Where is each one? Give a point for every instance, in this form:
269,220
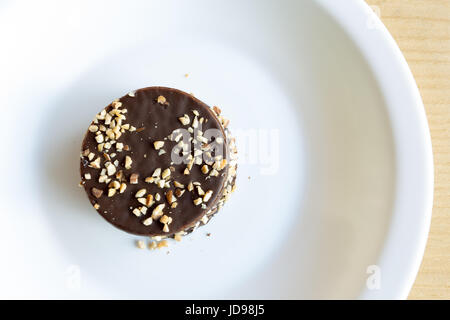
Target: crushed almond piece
198,201
152,245
110,169
128,162
136,212
205,169
157,212
161,100
157,197
96,206
165,174
164,219
156,173
190,186
214,173
96,192
148,221
174,205
140,193
179,192
111,192
163,243
204,219
87,176
166,228
186,171
95,164
178,185
149,200
207,195
158,144
142,201
140,244
169,196
217,110
200,191
99,138
115,184
184,120
122,188
177,237
134,177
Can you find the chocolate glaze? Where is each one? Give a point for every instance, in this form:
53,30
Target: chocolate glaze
154,122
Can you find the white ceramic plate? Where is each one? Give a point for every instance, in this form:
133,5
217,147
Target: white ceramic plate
338,204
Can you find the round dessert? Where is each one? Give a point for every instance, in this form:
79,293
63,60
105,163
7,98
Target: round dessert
158,162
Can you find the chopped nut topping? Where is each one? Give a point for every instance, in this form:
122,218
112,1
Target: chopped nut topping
207,195
166,228
217,110
96,192
149,201
161,100
204,219
190,186
110,169
158,144
99,138
179,192
157,212
169,196
165,174
87,176
96,206
186,171
156,173
140,244
134,177
140,193
111,192
177,237
152,245
149,180
142,201
147,221
174,205
128,162
184,120
157,197
198,201
164,219
163,243
95,164
214,173
161,183
132,94
123,186
115,184
200,191
205,169
195,122
178,185
119,146
137,212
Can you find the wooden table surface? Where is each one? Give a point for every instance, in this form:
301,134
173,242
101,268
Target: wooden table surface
422,31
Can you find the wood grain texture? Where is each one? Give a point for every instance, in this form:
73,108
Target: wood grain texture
422,31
